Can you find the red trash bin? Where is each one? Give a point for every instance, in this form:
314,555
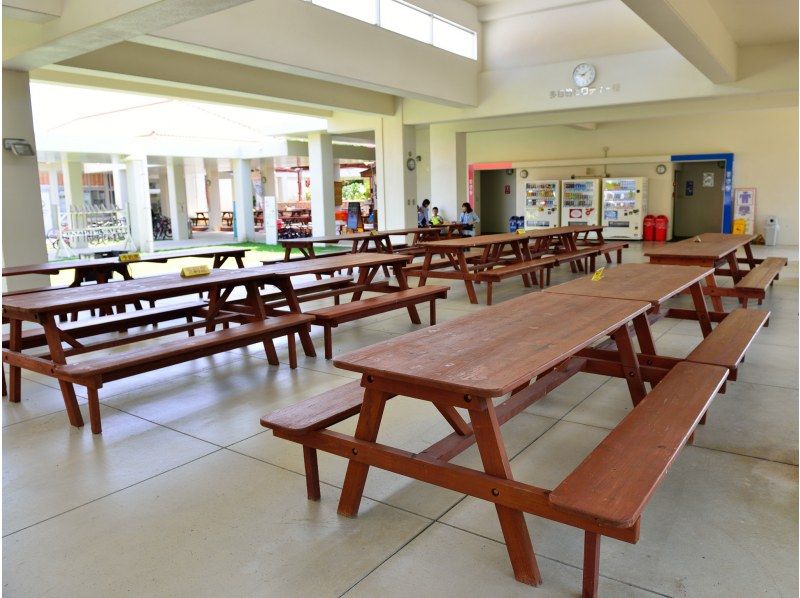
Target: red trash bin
649,226
662,222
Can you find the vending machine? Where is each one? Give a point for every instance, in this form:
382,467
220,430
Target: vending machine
624,208
580,201
541,204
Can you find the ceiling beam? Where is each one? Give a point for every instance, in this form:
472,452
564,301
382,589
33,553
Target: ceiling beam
86,25
695,31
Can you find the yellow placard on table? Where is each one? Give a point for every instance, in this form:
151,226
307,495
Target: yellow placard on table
191,271
129,257
373,232
698,240
520,231
598,274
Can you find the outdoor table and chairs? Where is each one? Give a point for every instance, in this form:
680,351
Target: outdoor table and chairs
380,242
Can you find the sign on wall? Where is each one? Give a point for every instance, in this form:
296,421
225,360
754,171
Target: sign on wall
744,208
689,188
708,179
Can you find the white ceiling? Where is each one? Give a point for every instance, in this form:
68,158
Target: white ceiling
754,22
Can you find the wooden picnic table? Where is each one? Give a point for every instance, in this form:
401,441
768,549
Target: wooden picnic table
102,269
360,243
647,282
713,250
43,307
530,339
520,245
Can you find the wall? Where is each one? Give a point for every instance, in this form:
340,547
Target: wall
495,206
764,144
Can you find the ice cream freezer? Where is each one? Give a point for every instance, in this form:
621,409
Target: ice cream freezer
541,204
624,207
580,201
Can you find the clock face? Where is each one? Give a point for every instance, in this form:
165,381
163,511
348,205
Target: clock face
523,174
411,163
584,74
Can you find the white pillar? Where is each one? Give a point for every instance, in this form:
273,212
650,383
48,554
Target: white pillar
23,221
73,182
139,210
448,170
176,192
212,194
396,201
55,199
320,161
267,166
243,201
119,179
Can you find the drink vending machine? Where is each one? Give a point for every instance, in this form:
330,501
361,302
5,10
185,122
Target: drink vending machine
580,201
541,204
624,207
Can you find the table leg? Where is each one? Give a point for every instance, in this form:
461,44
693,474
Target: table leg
512,522
748,252
287,252
15,372
284,285
462,265
426,265
402,282
591,564
57,356
699,300
716,300
260,313
630,364
367,429
641,325
515,247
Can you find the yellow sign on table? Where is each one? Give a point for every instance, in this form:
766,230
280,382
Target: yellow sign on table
520,231
190,271
598,274
129,257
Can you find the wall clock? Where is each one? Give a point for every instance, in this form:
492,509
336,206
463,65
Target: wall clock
661,169
584,74
523,174
411,164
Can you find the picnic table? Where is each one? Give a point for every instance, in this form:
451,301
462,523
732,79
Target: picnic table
43,307
102,269
527,347
360,243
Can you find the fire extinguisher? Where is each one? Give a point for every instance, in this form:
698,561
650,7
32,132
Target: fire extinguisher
649,226
662,223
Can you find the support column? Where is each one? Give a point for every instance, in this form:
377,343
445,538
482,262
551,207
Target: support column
23,221
448,170
55,198
163,188
396,201
320,161
212,194
139,210
176,192
269,189
243,201
73,182
120,181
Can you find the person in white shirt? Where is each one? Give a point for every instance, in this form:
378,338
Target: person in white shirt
468,218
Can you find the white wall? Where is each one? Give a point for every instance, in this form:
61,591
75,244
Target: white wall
764,144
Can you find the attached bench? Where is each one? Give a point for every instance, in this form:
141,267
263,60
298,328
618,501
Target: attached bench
728,342
584,257
606,247
316,413
331,317
472,256
35,337
516,269
94,372
754,284
312,289
615,482
300,258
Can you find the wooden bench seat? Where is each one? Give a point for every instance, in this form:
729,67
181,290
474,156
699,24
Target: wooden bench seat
606,247
730,339
95,371
33,290
310,287
35,337
331,317
316,413
584,257
615,482
515,269
300,258
754,284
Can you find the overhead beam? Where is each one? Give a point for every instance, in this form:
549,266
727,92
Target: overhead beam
693,28
128,59
87,25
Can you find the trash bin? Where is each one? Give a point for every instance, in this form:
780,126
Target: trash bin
771,228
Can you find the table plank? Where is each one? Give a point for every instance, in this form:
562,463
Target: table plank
484,240
303,241
322,264
493,351
640,282
711,246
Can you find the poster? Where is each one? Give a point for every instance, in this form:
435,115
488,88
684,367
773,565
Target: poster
708,179
744,208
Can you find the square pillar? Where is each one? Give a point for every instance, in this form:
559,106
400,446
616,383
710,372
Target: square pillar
55,196
243,201
448,170
320,161
212,194
396,201
23,220
176,193
139,210
120,182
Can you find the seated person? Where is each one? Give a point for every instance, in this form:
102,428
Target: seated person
468,218
436,220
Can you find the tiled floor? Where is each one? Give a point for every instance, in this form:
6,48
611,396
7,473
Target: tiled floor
184,494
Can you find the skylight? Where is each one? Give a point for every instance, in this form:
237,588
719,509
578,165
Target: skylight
410,21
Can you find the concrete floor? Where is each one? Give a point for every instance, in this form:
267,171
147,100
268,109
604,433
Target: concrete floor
185,494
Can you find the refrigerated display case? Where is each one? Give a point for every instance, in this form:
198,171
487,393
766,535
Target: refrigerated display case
541,204
624,207
580,201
